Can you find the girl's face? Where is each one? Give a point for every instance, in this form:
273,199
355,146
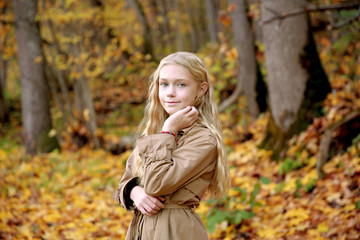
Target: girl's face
177,88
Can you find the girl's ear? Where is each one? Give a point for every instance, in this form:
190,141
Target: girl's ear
203,88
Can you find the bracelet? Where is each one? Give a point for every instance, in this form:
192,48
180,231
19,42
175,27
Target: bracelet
171,133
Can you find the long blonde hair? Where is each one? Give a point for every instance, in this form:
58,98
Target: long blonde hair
155,116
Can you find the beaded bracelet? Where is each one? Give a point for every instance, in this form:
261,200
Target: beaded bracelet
171,133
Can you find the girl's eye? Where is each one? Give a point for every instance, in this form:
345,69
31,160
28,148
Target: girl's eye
163,84
182,85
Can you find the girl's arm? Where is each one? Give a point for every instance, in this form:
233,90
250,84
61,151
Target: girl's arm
147,205
127,183
168,168
130,195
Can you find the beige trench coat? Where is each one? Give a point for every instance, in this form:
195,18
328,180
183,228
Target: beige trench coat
179,172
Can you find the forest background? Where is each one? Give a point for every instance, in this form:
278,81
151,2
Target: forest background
73,85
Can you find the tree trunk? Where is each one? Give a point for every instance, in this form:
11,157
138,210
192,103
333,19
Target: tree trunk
211,12
165,25
296,80
3,72
194,40
148,45
3,112
244,42
84,103
179,37
35,95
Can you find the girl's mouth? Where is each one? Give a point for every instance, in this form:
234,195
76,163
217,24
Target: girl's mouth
171,103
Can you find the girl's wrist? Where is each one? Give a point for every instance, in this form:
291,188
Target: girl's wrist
169,127
133,192
168,130
171,133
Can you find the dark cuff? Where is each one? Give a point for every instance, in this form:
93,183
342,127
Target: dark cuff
129,204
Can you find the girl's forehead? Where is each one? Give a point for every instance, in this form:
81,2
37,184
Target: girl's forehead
174,71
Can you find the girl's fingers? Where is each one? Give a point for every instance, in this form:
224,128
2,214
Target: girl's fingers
147,205
156,204
161,199
152,205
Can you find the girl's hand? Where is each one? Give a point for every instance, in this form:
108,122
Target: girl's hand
181,119
147,205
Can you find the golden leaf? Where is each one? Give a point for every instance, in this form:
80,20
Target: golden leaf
297,213
86,115
267,232
322,228
38,59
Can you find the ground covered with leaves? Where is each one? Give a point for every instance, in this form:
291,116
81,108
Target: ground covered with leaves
69,195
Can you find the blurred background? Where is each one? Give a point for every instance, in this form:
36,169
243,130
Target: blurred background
74,77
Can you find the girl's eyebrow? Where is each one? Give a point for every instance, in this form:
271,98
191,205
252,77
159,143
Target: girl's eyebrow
177,79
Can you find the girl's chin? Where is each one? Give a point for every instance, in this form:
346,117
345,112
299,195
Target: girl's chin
172,111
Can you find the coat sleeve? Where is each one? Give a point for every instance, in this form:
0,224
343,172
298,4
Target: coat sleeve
166,168
126,184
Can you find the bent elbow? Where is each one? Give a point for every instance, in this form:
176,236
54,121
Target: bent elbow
157,188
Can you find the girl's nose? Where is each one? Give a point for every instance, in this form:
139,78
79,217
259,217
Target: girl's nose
171,91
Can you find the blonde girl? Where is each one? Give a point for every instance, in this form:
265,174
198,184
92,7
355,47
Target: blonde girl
179,155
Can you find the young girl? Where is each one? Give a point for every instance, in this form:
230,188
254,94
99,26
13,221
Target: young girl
180,154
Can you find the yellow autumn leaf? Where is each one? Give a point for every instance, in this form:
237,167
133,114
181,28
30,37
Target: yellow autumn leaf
52,133
86,114
38,59
266,232
159,19
309,177
297,213
322,228
357,70
295,221
11,191
52,216
232,55
25,231
304,155
4,215
25,195
232,192
333,197
350,207
293,149
3,155
290,185
25,167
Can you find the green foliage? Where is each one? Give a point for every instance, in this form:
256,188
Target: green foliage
47,143
217,214
265,180
357,205
240,215
342,43
310,185
348,13
289,165
356,139
298,187
252,200
9,138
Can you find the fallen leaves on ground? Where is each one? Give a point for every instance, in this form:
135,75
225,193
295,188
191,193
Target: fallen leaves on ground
69,195
61,196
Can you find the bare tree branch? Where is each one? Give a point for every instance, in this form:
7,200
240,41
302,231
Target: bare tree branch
347,21
232,99
325,142
312,8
